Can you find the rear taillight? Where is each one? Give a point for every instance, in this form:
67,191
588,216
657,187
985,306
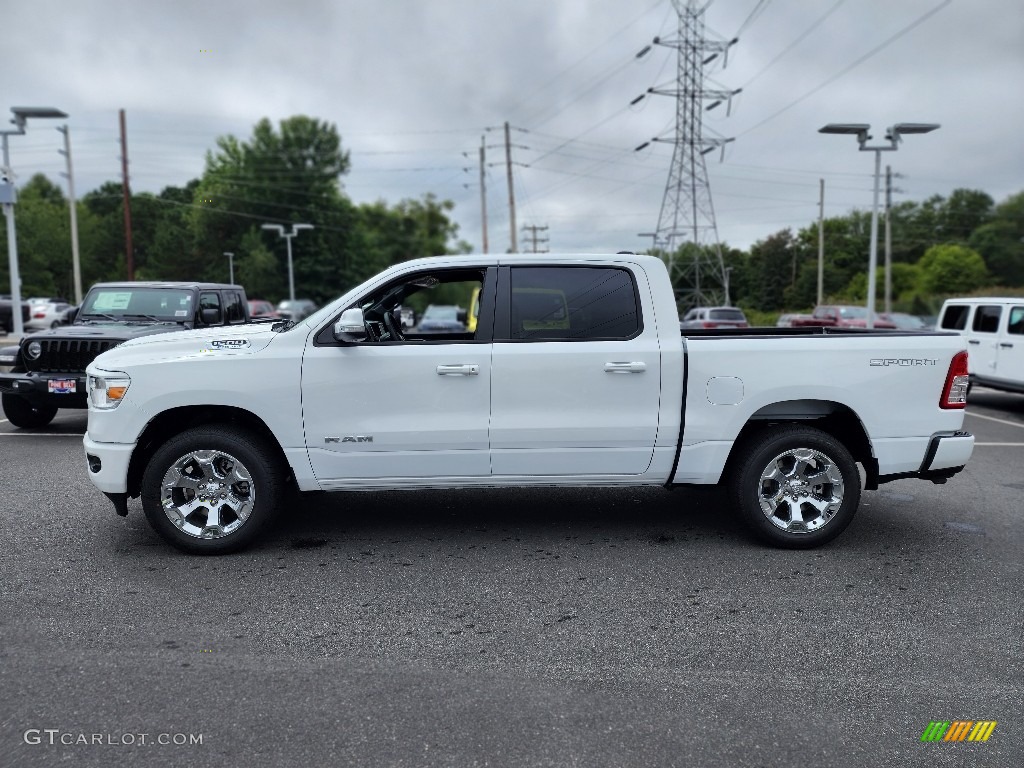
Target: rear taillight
708,324
38,315
954,394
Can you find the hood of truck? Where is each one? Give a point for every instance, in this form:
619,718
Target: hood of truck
227,341
106,330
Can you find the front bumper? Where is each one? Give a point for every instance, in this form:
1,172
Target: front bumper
66,390
107,464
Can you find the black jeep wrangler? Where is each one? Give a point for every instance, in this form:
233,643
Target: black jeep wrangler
48,368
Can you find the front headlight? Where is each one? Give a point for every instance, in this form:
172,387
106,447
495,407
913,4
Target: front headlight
106,392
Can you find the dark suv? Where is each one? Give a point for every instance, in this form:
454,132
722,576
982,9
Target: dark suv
48,370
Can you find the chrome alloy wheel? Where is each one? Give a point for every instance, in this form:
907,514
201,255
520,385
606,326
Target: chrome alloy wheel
801,490
207,494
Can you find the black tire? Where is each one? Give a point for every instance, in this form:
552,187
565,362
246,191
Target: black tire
21,413
795,487
233,469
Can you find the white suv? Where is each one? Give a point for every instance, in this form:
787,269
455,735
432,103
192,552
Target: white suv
994,329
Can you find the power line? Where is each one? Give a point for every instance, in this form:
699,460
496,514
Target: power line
800,38
877,49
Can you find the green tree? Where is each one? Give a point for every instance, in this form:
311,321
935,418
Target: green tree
44,241
1001,242
952,269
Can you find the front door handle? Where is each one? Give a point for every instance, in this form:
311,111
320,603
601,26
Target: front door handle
458,370
625,367
973,341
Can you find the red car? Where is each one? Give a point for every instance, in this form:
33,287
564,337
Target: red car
841,316
261,309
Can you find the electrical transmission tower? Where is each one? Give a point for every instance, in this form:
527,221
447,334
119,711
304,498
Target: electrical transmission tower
687,213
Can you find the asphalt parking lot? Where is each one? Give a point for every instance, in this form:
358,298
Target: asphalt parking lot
513,628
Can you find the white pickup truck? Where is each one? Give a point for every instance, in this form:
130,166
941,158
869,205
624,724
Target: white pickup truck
569,371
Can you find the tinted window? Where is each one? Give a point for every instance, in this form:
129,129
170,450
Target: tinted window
1016,325
234,312
986,319
573,303
955,317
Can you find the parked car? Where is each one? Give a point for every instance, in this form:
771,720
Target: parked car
442,318
34,300
261,309
787,320
48,367
906,322
840,316
7,313
714,317
296,309
994,329
45,315
609,394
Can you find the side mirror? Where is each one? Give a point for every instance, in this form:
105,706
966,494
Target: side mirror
210,315
350,326
71,314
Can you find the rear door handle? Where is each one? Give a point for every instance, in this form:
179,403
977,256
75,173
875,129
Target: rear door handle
625,367
458,370
973,341
1004,345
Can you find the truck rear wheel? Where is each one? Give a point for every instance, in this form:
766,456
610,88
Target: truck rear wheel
211,490
21,413
795,487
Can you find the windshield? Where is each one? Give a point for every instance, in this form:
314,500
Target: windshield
171,305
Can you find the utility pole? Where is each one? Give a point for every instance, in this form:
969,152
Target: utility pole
534,229
888,239
821,241
511,189
687,213
72,205
129,258
483,189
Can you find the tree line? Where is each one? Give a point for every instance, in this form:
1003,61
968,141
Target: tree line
292,173
945,246
286,174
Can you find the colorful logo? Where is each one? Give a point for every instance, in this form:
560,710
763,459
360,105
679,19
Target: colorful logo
959,730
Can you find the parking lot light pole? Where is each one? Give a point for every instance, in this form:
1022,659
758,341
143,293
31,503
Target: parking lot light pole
8,197
893,136
288,238
231,266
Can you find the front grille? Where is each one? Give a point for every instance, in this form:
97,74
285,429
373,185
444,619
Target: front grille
67,355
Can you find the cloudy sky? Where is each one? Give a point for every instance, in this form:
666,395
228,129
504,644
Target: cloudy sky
414,88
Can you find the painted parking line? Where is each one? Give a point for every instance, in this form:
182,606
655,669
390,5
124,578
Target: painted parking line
999,445
993,418
41,434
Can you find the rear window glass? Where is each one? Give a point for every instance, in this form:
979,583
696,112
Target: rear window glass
986,319
1016,325
955,317
573,303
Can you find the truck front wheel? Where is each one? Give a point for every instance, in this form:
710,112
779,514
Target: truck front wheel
21,413
795,487
211,490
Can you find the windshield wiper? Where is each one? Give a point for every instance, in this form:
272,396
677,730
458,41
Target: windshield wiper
283,325
149,317
101,314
